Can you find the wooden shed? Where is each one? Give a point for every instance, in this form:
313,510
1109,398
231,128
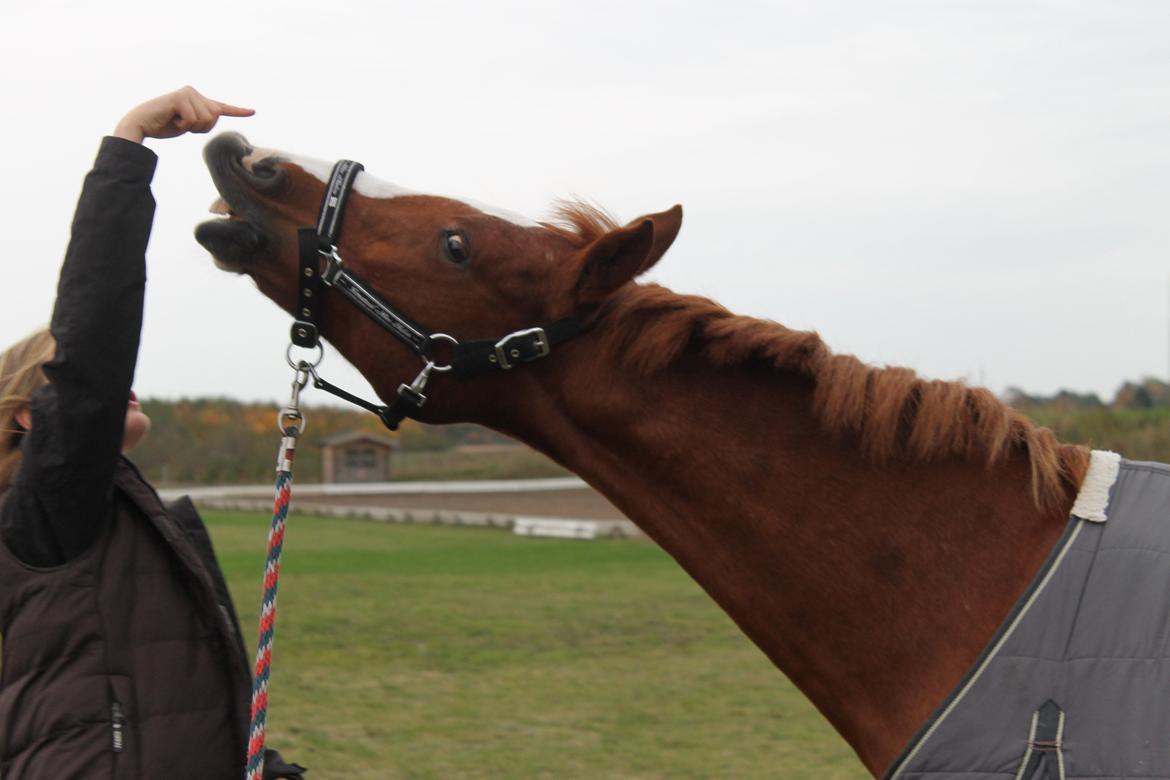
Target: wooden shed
356,457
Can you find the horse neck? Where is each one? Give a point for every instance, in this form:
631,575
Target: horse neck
873,588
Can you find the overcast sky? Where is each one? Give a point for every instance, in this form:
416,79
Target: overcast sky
976,190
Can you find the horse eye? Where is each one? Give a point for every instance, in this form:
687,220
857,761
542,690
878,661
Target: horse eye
457,248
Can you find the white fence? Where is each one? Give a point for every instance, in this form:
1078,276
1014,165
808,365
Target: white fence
384,488
559,527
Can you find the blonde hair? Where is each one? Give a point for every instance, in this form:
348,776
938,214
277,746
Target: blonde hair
20,376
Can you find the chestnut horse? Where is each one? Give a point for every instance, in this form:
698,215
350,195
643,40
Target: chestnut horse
869,530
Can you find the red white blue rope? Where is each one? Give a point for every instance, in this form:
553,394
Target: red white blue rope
259,727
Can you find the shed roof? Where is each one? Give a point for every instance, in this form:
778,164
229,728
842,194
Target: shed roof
351,437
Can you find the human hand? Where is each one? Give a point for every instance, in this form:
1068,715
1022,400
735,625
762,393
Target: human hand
173,114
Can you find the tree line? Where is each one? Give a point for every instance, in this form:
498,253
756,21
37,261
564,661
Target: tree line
1135,423
223,441
220,441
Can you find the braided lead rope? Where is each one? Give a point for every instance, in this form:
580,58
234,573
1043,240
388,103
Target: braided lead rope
291,423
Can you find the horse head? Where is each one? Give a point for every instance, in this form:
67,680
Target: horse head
456,267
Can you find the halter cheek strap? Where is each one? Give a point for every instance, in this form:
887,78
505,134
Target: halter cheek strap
321,266
314,242
333,205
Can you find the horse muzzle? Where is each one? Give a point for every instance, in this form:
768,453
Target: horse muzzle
242,177
240,170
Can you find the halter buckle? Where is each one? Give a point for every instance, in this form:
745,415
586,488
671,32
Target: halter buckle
333,264
409,400
521,346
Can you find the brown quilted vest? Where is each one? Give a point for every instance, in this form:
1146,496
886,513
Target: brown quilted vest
127,661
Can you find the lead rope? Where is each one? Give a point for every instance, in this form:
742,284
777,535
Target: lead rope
291,423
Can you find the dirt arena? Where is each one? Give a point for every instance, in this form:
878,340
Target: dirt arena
584,503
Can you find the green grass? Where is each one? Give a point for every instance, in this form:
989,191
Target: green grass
426,653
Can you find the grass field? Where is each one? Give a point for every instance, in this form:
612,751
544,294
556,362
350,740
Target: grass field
428,653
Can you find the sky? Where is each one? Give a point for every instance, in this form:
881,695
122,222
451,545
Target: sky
976,190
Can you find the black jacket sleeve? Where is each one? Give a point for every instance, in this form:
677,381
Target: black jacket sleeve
62,493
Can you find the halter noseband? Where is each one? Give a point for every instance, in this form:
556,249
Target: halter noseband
467,358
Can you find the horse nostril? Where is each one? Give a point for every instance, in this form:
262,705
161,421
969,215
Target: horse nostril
266,176
264,169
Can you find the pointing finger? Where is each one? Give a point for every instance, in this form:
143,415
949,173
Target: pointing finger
227,109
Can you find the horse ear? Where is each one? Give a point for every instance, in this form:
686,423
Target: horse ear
624,253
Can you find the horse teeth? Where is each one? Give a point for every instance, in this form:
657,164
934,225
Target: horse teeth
220,206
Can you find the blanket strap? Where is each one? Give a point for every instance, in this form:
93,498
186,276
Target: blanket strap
1044,759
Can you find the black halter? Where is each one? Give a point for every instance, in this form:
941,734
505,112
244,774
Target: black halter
466,358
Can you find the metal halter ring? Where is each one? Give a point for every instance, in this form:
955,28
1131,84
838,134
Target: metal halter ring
441,337
297,365
291,419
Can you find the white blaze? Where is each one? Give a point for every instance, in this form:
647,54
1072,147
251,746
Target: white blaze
373,187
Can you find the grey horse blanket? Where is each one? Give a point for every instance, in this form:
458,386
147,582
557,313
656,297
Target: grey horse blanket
1076,684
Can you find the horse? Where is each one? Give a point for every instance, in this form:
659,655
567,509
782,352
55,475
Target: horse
868,529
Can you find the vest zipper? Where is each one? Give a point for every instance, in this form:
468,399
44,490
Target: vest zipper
118,724
229,624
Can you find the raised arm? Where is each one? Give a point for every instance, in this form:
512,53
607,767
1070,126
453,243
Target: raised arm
62,493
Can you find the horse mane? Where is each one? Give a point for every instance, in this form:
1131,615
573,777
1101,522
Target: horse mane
579,222
894,412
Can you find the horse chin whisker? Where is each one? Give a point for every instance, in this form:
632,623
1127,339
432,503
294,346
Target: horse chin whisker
233,243
223,265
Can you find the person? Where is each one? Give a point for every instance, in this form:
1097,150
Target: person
122,656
